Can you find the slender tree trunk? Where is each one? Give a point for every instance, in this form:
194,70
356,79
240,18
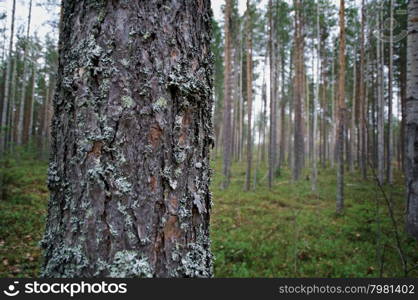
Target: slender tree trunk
272,139
282,116
380,113
341,111
411,145
29,132
316,103
6,100
362,100
130,196
249,97
389,174
298,95
333,114
353,115
308,121
403,88
13,112
227,98
264,113
25,71
240,114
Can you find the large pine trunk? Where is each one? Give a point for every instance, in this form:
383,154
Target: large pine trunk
129,172
411,124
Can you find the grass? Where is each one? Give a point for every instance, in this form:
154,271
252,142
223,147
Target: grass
284,232
22,216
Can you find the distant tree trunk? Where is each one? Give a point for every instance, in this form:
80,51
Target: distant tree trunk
226,134
353,114
389,149
47,116
333,114
6,108
324,115
240,103
362,100
130,195
341,111
316,103
237,71
411,123
308,127
403,88
298,95
272,64
290,126
24,81
249,97
282,116
28,130
12,103
264,113
380,113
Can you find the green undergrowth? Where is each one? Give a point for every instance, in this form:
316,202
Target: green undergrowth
22,215
287,231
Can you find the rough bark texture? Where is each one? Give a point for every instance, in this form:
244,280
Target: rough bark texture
411,124
129,171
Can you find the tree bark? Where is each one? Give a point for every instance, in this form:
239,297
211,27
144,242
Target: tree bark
316,104
6,108
380,113
298,95
24,82
389,149
226,133
249,97
272,64
353,114
341,112
362,100
411,122
130,196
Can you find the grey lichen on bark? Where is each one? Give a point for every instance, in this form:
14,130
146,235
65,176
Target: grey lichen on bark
129,171
411,155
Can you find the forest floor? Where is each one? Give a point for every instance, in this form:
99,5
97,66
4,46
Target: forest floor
284,232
